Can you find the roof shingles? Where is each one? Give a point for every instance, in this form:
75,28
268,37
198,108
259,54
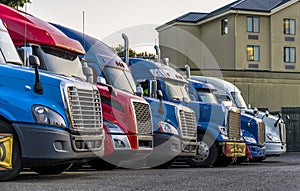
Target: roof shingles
249,5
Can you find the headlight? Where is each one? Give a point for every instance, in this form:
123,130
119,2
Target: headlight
46,116
223,130
250,140
113,128
272,137
167,128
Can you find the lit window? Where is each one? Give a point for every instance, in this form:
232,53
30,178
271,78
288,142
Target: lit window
289,26
224,26
253,53
253,24
289,54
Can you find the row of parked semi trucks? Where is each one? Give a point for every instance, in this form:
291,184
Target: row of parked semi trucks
67,98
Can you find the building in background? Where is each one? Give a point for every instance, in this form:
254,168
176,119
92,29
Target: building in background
252,43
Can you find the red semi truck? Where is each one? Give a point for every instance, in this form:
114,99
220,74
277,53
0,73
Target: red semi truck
127,117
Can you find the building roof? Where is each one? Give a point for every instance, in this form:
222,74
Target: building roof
245,5
191,17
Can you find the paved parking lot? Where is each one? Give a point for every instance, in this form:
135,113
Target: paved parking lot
278,173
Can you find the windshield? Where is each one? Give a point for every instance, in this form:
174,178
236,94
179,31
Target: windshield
8,51
175,90
239,100
207,97
62,62
119,79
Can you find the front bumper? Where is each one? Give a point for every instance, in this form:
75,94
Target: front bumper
122,154
233,149
168,147
257,151
275,149
43,145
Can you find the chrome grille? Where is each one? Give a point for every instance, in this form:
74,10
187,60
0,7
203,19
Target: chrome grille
85,109
143,118
261,133
188,124
282,130
234,122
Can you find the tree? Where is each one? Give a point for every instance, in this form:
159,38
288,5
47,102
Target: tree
15,3
120,51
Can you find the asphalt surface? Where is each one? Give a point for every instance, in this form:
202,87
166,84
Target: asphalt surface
276,173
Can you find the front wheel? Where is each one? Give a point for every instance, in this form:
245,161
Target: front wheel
9,154
206,152
51,170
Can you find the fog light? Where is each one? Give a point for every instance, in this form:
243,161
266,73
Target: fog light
119,143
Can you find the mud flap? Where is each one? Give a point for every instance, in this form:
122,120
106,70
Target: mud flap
6,151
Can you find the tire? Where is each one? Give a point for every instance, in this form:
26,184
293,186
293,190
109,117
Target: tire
100,164
51,170
10,174
205,155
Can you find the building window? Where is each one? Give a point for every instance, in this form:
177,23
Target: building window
289,54
289,26
253,53
252,24
224,26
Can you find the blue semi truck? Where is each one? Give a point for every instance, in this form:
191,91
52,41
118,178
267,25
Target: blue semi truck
45,123
252,127
219,140
275,130
174,126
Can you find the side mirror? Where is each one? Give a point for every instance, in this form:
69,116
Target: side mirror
88,72
139,90
266,114
153,89
279,117
101,80
160,95
35,62
255,111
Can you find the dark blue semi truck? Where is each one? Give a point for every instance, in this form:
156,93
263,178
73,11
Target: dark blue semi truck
252,127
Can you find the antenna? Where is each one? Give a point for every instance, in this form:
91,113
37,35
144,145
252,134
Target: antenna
204,69
25,28
83,23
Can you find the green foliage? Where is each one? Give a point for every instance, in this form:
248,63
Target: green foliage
120,51
15,3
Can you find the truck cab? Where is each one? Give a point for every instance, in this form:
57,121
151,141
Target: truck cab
275,131
43,123
106,64
127,116
252,128
214,146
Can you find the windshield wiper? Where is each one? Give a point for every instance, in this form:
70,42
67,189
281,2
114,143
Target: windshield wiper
14,62
78,78
175,98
